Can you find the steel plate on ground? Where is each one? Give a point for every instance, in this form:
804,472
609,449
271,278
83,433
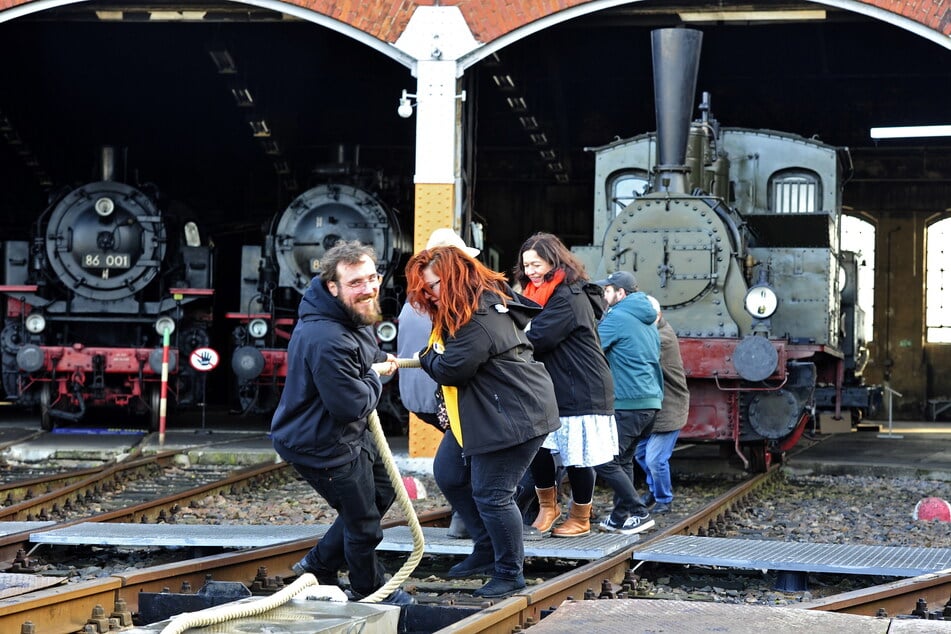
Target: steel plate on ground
694,617
755,554
593,546
12,585
213,535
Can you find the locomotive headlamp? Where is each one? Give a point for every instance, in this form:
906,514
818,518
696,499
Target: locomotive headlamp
386,331
761,302
257,328
35,323
105,206
164,323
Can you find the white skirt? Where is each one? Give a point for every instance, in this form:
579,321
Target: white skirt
584,441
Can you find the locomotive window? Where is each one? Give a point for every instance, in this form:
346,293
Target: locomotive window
625,188
794,192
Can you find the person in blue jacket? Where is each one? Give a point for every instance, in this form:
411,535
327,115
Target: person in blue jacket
498,401
320,424
632,346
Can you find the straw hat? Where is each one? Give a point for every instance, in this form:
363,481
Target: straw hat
445,237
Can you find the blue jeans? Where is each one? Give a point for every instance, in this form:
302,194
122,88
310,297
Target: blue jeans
361,493
633,425
482,489
653,454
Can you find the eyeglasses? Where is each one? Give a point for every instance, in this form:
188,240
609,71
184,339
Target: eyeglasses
356,285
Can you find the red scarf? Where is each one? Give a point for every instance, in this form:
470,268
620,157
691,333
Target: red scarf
542,293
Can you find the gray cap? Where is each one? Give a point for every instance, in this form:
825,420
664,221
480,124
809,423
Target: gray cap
620,279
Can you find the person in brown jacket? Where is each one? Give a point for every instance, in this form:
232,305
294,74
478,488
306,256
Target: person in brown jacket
653,453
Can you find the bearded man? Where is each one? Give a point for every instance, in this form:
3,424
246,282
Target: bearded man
320,424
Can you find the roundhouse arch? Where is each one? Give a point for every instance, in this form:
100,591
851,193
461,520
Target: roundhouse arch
496,23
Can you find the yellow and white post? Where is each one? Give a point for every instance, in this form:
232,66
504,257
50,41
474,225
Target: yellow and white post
437,37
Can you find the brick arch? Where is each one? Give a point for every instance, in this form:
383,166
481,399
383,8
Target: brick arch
491,20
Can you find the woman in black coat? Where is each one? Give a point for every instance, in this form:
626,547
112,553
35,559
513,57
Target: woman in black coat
499,402
565,336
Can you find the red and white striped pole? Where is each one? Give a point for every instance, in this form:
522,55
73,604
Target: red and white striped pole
164,390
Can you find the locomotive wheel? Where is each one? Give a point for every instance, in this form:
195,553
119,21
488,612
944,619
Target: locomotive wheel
46,420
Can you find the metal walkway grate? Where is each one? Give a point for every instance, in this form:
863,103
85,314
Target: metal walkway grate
898,561
398,539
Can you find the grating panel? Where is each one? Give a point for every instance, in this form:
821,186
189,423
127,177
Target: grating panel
593,546
398,539
897,561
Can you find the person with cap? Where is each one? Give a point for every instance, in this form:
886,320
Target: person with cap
417,389
320,424
498,401
653,453
632,347
565,337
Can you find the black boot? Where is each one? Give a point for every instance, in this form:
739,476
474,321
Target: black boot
497,588
475,565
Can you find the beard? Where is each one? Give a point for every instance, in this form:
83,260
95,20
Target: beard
364,313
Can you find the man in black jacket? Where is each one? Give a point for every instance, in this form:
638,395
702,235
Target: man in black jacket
320,424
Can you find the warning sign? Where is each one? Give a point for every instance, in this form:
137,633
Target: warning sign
204,359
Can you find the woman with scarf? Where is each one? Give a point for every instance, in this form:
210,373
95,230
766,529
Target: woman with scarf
565,336
498,402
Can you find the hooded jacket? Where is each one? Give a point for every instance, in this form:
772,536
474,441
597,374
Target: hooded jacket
565,337
505,397
632,346
321,419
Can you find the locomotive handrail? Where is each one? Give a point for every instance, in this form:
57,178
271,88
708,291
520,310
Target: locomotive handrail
716,379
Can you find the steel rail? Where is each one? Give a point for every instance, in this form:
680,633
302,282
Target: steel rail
896,597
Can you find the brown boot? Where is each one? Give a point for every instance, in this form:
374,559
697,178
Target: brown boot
578,523
548,509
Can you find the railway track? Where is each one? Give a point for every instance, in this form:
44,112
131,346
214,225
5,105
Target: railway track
66,609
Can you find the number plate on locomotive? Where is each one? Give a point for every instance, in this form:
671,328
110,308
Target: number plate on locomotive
107,261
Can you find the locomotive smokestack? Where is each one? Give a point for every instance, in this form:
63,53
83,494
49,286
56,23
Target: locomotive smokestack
676,54
108,162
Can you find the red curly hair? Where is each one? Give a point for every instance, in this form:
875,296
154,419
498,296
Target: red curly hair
462,282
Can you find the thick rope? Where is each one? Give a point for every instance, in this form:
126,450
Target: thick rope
231,611
227,612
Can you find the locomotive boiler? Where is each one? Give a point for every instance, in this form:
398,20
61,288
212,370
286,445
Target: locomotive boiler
275,275
90,298
736,233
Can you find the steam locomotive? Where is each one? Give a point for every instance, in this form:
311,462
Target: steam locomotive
736,233
107,290
274,277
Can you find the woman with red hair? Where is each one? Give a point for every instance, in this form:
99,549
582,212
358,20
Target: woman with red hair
499,402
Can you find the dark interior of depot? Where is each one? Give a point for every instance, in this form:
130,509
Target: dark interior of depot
72,84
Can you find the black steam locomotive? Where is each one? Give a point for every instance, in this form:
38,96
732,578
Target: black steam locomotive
107,291
736,233
274,277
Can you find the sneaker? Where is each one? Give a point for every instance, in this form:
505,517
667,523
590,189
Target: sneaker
648,499
498,588
531,534
636,524
608,524
662,508
397,597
